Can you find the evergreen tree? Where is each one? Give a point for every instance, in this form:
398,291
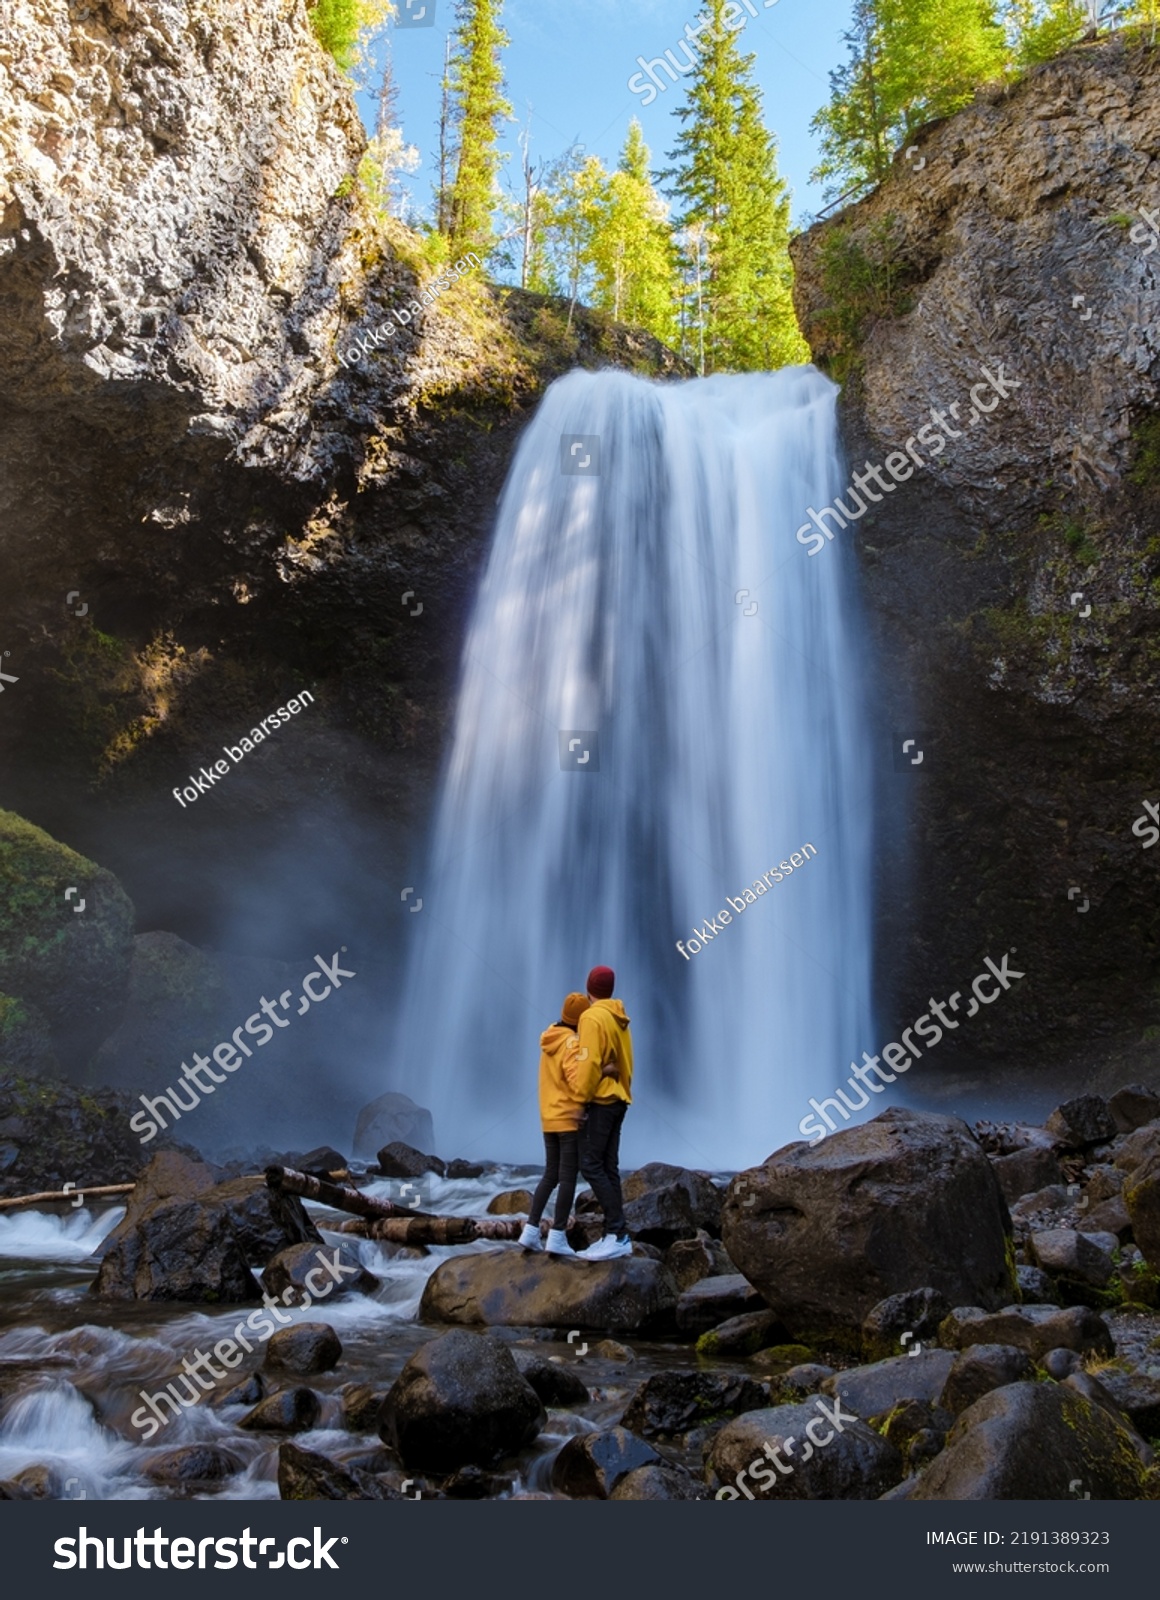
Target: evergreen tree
477,108
911,61
725,179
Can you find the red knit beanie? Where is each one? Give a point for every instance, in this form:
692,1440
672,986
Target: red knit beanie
601,983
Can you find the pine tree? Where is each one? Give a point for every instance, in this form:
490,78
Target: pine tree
911,61
477,107
725,177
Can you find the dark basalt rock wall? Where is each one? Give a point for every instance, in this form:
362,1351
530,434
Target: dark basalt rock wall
1039,716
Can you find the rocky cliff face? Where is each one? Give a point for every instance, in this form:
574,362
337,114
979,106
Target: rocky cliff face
1014,579
202,510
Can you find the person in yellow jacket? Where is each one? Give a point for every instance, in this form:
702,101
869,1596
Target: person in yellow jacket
602,1076
561,1111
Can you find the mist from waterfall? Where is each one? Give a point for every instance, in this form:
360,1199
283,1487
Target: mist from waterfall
655,597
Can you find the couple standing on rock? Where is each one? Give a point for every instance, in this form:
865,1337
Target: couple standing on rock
585,1090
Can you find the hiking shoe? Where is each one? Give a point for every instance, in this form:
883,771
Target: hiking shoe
558,1243
610,1248
530,1237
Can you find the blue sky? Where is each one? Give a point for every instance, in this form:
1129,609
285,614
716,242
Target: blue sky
570,63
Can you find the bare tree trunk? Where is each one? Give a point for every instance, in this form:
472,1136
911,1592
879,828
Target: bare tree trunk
337,1195
48,1195
414,1230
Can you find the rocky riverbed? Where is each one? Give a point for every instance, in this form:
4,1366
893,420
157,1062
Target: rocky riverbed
927,1311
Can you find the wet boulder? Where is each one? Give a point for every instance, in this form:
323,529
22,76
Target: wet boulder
1133,1107
399,1160
25,1040
1137,1394
182,1250
690,1260
657,1482
308,1475
901,1320
554,1381
460,1399
520,1289
908,1199
468,1169
392,1119
288,1411
511,1203
184,1236
1035,1329
1035,1287
1137,1149
1034,1441
590,1465
671,1403
1072,1258
324,1161
716,1300
361,1404
1024,1171
333,1271
869,1391
741,1336
788,1385
1086,1120
246,1393
809,1451
1142,1198
306,1348
980,1368
192,1463
664,1204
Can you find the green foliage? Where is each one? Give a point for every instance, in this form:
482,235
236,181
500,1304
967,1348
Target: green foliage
910,62
344,27
475,87
1076,538
737,307
1145,472
864,279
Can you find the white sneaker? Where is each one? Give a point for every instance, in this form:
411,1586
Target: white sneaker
530,1237
610,1248
558,1243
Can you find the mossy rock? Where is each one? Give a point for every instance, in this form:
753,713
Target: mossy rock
73,966
778,1358
25,1040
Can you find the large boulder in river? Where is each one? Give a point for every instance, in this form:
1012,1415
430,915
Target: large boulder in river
664,1204
517,1289
824,1454
392,1119
1034,1441
907,1200
1035,1329
183,1235
460,1399
590,1465
670,1403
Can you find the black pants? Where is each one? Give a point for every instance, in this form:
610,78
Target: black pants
561,1159
600,1160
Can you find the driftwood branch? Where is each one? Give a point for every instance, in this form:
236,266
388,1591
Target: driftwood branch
48,1195
339,1196
417,1230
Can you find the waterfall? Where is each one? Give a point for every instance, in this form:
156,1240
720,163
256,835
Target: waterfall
645,594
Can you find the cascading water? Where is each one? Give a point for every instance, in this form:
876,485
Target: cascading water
645,593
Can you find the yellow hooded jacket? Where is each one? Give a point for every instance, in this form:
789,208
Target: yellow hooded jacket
603,1030
560,1106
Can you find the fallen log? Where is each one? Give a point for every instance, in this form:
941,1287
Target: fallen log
99,1191
413,1229
339,1196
